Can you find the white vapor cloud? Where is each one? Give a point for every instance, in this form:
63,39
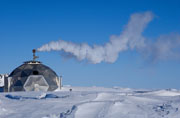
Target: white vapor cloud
165,47
129,39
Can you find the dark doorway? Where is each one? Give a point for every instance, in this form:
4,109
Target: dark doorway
35,72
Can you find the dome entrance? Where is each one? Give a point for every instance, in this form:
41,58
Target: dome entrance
36,83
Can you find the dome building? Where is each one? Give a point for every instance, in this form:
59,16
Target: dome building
33,76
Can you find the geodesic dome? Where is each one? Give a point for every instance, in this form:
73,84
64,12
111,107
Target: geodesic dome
33,76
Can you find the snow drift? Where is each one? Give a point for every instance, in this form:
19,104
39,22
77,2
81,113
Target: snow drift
91,102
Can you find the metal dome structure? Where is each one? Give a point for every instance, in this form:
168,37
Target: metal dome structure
33,76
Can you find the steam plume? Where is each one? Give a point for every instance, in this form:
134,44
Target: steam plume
130,38
165,47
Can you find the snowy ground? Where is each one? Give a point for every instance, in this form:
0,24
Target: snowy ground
91,102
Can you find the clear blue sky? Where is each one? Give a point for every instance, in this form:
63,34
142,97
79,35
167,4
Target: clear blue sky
28,24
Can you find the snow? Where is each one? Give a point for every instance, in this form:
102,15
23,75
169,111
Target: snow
91,102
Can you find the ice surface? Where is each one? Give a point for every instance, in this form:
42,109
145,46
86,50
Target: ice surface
91,102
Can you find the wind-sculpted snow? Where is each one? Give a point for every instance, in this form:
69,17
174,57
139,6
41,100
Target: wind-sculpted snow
91,102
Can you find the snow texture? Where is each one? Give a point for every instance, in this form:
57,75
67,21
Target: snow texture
91,102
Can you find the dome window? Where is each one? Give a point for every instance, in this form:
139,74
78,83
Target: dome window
35,72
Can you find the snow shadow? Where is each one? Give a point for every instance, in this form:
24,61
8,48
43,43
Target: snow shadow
46,96
164,109
68,112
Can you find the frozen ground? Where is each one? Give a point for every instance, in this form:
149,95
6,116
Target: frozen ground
91,102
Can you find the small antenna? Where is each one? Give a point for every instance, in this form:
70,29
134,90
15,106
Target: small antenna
34,55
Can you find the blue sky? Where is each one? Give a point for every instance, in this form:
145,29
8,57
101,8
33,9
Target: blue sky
29,24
